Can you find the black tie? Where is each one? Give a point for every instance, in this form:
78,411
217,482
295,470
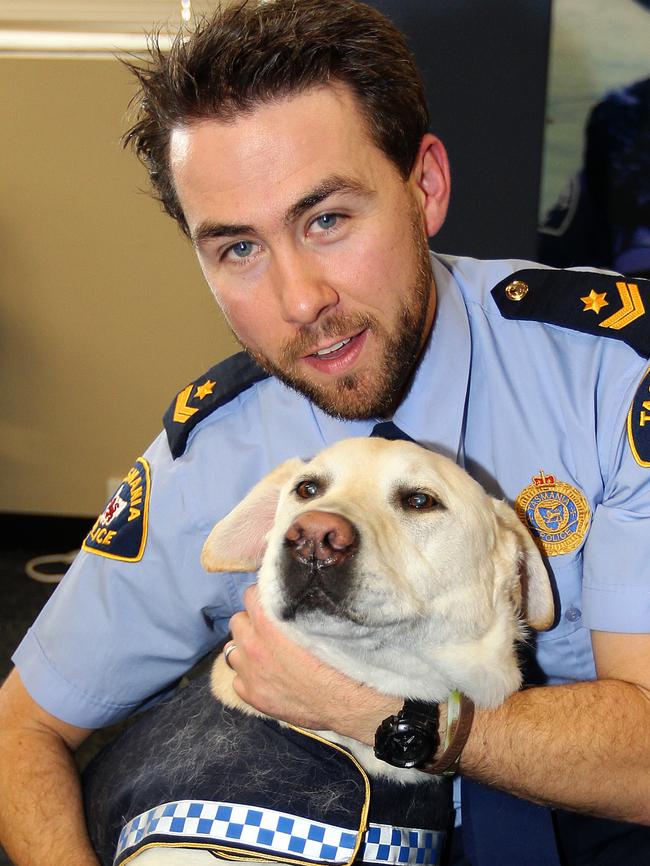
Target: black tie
388,430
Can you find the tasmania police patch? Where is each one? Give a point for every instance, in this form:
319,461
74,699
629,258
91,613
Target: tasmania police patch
638,423
556,512
120,531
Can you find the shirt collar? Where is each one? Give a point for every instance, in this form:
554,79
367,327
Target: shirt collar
434,409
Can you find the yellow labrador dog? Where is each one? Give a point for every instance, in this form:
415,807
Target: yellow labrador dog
391,564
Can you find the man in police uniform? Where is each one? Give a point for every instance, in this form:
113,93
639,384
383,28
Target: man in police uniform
292,146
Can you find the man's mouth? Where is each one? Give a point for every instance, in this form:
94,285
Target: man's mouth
337,357
329,350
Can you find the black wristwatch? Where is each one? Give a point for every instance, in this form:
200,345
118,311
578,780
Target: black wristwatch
409,739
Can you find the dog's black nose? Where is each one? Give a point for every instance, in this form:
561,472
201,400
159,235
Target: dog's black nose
322,538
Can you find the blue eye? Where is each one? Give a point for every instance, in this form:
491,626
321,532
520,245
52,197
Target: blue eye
326,221
242,249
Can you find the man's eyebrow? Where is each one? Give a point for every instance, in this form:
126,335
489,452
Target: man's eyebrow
336,184
207,230
328,187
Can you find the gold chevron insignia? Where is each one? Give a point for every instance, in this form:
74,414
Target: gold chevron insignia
631,310
181,410
594,302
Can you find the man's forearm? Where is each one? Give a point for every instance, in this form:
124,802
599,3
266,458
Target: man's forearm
584,747
41,812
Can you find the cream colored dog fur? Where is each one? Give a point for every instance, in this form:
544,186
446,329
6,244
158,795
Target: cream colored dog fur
438,588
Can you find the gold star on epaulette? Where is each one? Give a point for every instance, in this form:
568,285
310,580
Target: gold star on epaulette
594,302
205,389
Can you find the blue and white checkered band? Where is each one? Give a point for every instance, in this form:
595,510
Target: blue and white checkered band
233,828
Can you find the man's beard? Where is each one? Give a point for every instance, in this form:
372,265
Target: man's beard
373,393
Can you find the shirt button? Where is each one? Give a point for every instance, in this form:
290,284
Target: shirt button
516,290
573,614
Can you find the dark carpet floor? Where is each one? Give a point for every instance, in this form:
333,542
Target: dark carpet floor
22,598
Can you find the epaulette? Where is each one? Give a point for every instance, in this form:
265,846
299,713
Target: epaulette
221,384
593,303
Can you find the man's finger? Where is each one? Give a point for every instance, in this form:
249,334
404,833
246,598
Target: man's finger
240,623
251,596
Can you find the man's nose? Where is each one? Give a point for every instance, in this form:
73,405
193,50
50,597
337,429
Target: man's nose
302,288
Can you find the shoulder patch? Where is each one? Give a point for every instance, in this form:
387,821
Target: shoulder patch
638,423
120,531
605,305
221,384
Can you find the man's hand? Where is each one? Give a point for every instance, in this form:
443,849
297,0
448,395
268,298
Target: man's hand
283,680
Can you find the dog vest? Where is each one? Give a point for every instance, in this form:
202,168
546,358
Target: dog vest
192,773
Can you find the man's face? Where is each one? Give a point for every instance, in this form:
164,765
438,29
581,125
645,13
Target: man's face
313,245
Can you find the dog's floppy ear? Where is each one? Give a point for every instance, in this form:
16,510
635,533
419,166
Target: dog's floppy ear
238,542
533,591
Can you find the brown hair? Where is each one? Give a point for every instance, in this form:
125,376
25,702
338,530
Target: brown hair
254,51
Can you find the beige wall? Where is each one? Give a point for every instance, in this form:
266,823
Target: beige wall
103,311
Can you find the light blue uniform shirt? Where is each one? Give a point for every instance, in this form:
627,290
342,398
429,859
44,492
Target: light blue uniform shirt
506,398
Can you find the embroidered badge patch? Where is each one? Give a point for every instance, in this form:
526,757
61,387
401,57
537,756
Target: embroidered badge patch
638,423
557,513
120,531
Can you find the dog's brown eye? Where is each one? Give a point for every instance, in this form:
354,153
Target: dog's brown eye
307,489
419,501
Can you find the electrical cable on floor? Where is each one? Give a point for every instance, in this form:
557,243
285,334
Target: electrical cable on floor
38,567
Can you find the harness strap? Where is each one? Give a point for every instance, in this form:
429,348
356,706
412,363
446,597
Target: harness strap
235,828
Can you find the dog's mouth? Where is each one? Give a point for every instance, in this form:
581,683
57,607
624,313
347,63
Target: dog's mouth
313,598
309,588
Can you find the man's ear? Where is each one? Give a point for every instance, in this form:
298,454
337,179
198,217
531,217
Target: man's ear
430,180
238,541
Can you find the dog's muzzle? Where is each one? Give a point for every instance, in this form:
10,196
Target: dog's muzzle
319,548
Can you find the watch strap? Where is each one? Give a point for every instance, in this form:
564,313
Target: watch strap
460,715
427,711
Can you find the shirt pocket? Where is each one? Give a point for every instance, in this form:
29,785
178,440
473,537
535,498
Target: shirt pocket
564,653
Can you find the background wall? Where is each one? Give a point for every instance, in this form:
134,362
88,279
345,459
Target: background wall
104,315
484,63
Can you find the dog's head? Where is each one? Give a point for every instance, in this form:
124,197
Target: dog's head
392,564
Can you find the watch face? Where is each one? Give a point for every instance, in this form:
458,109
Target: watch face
405,743
410,746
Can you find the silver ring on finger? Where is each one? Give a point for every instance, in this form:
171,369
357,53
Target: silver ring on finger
226,653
